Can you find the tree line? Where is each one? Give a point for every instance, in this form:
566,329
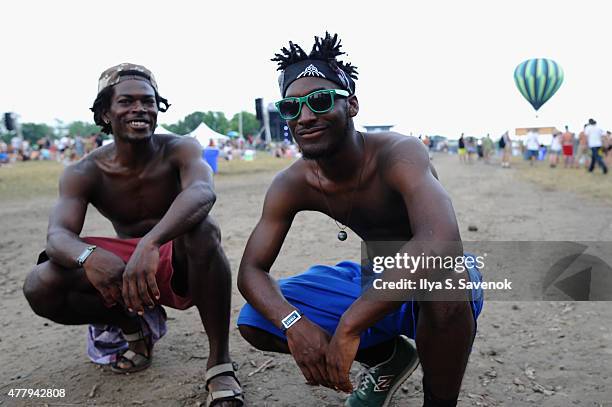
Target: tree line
217,121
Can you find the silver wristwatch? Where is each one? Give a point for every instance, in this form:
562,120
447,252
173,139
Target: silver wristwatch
86,253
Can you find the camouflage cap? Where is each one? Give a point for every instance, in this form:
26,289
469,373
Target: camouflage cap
125,71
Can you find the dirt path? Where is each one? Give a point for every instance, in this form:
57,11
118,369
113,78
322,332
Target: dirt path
528,353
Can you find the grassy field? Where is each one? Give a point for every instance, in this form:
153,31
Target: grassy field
28,180
263,162
32,179
595,186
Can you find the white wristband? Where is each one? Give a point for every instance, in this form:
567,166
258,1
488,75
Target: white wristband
291,319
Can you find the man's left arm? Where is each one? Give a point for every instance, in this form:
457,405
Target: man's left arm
196,198
432,219
189,208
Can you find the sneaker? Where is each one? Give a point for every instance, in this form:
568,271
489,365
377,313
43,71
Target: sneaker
378,384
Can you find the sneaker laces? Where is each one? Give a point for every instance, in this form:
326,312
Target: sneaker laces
365,377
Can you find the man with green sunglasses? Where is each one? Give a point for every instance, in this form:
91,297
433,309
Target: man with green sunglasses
319,102
383,188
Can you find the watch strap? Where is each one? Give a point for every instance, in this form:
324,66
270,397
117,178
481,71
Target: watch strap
85,254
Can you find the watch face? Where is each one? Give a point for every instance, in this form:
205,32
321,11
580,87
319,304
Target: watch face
290,319
81,259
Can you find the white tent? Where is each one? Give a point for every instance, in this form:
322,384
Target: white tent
204,134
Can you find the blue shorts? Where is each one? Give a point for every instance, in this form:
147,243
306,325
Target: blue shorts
324,293
532,153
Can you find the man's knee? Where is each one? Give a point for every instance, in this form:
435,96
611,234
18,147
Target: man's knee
42,289
205,236
254,336
444,314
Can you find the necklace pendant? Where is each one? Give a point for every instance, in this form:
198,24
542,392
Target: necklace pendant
342,235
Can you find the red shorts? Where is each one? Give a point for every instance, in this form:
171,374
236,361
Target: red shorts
568,150
124,249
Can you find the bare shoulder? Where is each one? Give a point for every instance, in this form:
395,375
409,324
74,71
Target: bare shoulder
87,167
80,177
292,178
288,191
394,149
179,144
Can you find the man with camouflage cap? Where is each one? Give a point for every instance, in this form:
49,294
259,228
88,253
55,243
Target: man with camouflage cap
157,192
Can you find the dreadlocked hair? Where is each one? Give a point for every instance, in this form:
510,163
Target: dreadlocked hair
324,49
290,56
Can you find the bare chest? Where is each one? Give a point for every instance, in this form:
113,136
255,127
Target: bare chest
374,211
133,200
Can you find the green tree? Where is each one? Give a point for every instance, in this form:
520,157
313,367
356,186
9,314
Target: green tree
188,124
215,120
250,124
35,131
83,129
173,128
6,137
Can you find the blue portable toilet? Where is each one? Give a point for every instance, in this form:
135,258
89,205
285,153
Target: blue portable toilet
211,156
542,153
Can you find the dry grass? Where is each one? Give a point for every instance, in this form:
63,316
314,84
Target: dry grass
32,179
28,180
263,162
596,185
39,178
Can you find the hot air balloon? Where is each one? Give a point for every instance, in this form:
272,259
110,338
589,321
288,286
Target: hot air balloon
538,79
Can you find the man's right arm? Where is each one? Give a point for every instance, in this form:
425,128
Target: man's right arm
68,215
306,340
254,280
102,268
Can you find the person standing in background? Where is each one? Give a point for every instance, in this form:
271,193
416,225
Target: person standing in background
505,145
582,157
567,142
595,138
487,148
533,145
555,150
461,149
607,148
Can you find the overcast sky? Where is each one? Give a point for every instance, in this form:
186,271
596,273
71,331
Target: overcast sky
428,68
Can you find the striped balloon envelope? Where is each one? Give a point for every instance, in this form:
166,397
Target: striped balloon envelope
538,79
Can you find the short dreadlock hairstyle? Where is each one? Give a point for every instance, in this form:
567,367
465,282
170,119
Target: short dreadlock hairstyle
103,102
324,49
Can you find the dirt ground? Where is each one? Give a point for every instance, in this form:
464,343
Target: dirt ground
525,353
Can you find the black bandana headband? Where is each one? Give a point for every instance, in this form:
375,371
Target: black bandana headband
315,68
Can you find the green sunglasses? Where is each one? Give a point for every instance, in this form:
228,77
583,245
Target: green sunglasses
319,102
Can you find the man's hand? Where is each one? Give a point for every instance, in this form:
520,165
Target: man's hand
339,358
104,271
308,343
139,278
